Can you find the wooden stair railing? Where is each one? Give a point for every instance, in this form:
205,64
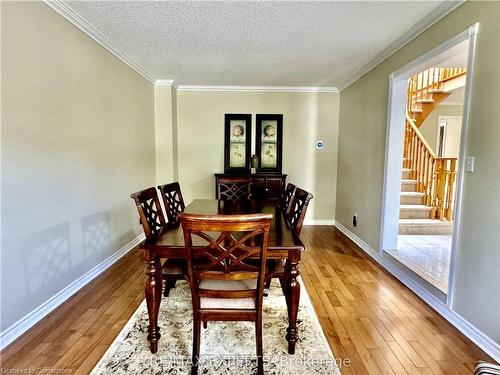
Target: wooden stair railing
435,175
428,87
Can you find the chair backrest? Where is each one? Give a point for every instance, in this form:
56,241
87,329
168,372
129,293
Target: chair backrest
287,196
150,213
298,208
226,248
172,200
234,188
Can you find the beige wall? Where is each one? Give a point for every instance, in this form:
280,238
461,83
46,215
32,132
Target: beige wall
77,139
165,133
363,119
307,117
430,125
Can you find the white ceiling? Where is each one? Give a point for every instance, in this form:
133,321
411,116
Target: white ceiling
299,43
454,57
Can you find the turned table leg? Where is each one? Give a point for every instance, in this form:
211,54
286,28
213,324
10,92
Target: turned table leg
292,300
153,293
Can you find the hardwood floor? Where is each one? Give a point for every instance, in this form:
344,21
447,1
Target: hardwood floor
373,319
367,315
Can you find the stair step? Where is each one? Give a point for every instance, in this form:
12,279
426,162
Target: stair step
411,197
408,185
425,101
425,226
406,173
417,110
437,91
414,211
415,206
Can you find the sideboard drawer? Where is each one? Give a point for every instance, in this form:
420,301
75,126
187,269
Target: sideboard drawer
274,187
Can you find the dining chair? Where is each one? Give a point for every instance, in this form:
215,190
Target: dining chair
153,223
172,201
295,217
285,204
225,285
486,368
234,188
286,197
298,208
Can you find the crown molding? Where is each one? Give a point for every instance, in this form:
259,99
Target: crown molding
445,8
256,88
165,82
73,17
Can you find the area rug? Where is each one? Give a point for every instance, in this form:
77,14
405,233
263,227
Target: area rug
226,347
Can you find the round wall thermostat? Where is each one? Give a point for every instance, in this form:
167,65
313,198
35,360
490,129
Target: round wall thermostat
319,145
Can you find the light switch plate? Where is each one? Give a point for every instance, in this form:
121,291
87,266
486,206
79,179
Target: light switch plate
469,164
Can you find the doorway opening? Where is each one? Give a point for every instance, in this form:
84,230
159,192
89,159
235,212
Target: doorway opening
428,110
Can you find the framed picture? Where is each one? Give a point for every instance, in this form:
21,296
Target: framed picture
269,137
237,142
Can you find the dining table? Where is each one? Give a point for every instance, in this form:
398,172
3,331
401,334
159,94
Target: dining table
284,244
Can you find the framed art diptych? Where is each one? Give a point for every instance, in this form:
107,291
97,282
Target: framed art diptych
269,137
237,142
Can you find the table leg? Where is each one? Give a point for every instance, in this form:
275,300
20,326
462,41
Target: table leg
292,300
153,291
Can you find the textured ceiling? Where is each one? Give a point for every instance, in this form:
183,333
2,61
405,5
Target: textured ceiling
253,43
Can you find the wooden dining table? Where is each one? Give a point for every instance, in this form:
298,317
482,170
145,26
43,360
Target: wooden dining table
283,244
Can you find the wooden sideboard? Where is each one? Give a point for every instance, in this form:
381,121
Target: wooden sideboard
263,185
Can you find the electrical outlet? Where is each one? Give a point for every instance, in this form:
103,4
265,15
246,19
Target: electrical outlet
355,220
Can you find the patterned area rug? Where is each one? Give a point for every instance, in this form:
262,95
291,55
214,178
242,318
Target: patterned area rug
226,347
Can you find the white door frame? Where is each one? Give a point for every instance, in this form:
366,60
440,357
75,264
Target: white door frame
441,142
394,145
440,120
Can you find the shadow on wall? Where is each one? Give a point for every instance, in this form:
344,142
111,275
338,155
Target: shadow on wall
53,258
96,233
96,236
47,260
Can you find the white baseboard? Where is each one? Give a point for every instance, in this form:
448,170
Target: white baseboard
473,333
319,222
30,319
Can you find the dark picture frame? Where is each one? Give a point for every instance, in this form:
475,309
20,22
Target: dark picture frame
237,142
269,142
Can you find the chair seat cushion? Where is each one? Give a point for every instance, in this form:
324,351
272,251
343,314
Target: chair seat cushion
173,267
227,303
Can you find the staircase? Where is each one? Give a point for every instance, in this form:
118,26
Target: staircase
414,215
428,89
428,181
